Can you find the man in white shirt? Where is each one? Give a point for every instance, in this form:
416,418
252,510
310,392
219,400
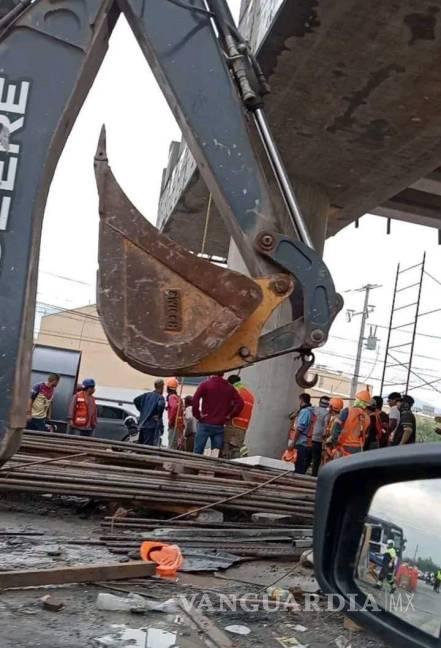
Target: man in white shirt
394,401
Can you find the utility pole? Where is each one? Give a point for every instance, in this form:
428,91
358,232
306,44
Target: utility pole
364,316
415,554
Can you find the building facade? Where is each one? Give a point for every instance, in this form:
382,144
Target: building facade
81,329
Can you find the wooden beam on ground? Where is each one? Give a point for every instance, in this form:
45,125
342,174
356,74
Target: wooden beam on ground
80,574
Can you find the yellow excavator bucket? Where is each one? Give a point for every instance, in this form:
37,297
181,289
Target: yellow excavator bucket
164,310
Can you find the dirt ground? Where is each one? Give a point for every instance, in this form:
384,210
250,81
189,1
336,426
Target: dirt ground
80,624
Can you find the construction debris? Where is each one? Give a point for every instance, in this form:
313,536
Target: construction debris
79,574
349,624
342,642
207,560
134,603
131,474
307,559
290,642
238,629
246,542
201,623
51,603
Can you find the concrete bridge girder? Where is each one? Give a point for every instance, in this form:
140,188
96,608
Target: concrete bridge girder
358,118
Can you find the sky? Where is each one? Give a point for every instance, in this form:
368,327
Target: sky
414,506
140,127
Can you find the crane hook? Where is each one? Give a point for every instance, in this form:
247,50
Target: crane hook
308,360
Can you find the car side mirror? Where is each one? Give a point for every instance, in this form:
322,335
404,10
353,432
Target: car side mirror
377,541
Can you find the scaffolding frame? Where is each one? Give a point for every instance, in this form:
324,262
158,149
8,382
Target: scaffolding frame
390,359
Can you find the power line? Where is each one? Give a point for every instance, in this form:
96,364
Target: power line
71,279
77,338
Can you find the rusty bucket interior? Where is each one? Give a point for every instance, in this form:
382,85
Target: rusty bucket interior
163,309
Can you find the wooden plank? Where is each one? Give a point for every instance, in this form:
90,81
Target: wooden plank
201,623
80,574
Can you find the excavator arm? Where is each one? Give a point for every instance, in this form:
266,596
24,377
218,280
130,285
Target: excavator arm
164,310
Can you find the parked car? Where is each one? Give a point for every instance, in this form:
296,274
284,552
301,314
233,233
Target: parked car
116,422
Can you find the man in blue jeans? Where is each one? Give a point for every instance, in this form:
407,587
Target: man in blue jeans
151,407
303,426
220,403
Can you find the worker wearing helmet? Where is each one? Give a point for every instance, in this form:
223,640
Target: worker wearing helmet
335,407
82,414
387,571
349,431
175,415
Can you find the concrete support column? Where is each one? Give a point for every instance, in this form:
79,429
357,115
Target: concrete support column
273,381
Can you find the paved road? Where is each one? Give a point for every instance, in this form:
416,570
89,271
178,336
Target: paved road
422,610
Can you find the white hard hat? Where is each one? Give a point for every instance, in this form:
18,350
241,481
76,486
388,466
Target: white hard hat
390,543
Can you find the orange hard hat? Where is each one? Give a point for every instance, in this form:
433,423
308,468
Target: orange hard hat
168,558
364,396
336,404
147,546
172,383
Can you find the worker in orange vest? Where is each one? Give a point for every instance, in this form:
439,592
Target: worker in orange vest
235,431
175,414
349,431
335,407
82,415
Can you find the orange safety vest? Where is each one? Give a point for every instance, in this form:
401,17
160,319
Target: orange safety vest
242,420
179,420
81,410
353,434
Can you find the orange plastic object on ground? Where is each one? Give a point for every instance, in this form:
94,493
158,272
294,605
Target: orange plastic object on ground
290,455
168,558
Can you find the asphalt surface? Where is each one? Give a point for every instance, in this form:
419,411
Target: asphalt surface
421,609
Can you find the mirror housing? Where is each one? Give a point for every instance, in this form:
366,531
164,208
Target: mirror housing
345,490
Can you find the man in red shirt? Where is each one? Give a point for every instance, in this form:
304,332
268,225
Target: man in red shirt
220,403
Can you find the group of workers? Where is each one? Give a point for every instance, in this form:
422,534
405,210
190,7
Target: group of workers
392,572
330,430
219,412
82,413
